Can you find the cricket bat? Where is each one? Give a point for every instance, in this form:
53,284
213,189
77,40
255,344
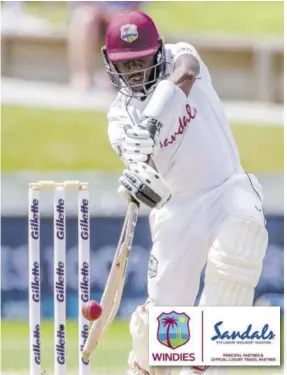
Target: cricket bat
111,298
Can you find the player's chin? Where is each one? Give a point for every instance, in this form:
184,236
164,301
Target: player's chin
137,87
136,84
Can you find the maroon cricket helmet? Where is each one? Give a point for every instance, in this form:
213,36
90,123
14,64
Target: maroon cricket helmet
131,35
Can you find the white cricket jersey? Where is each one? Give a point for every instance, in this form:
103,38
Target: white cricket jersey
197,150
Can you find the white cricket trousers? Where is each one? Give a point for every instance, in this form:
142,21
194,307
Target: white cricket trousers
183,232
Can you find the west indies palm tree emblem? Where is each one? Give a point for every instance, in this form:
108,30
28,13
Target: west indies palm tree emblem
173,329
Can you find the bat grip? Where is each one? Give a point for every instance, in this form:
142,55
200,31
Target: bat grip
152,127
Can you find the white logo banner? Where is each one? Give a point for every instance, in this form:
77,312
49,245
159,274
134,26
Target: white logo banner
214,336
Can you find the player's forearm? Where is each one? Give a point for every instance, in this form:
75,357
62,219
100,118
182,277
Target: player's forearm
185,73
183,80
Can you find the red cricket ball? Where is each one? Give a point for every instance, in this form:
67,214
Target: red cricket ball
92,310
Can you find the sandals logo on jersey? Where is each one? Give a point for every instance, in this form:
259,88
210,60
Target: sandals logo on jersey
129,33
173,329
184,121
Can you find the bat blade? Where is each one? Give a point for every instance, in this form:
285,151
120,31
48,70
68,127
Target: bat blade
114,287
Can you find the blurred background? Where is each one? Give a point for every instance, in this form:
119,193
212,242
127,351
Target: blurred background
55,97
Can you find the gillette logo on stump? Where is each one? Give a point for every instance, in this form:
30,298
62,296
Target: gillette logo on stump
84,282
83,338
61,345
84,220
34,220
170,338
36,345
60,219
35,282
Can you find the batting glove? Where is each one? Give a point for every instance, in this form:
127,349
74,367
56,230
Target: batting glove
144,184
138,144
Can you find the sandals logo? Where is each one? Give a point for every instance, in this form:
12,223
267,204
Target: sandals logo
249,334
173,329
182,125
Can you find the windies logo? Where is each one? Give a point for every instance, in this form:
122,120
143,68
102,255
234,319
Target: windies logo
129,33
173,329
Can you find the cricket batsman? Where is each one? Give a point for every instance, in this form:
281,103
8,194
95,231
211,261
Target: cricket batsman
205,208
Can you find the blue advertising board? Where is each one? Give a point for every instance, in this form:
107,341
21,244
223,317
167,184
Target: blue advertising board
105,233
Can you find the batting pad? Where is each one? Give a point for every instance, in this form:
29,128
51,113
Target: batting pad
234,264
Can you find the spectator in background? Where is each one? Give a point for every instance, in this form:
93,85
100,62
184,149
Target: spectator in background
87,27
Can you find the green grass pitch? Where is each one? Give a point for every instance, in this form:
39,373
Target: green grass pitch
46,139
188,17
110,357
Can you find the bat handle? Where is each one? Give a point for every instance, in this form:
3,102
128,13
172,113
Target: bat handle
152,127
133,200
